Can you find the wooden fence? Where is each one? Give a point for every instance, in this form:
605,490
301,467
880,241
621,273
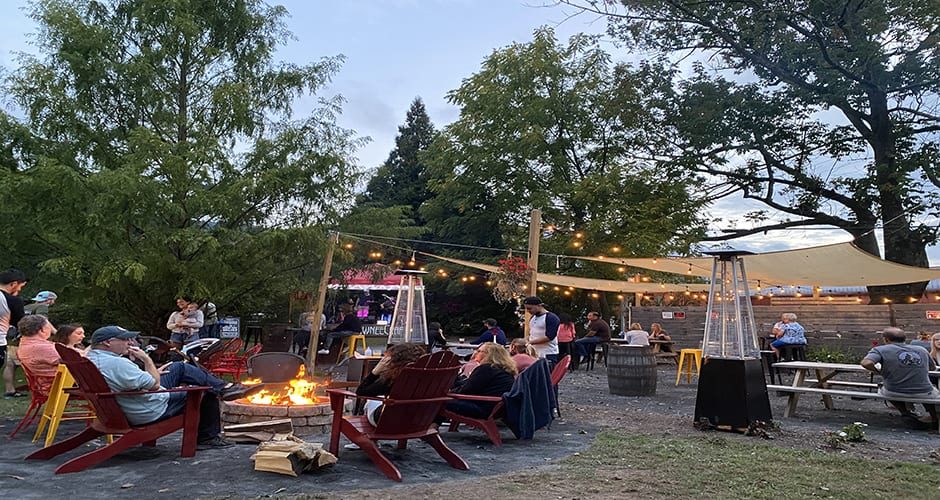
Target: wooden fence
845,327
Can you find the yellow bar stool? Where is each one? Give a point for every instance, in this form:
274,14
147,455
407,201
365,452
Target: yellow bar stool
686,358
349,345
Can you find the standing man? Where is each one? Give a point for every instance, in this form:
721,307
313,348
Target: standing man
41,303
11,312
113,348
598,331
904,372
543,329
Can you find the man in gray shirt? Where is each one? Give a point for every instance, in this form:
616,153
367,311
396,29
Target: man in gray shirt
904,370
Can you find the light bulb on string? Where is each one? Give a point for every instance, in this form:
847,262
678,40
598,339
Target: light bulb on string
690,269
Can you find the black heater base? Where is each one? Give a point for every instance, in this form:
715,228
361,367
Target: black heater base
732,394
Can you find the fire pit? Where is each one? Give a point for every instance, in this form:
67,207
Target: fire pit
296,399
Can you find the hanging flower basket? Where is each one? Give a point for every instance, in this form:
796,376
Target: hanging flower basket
510,279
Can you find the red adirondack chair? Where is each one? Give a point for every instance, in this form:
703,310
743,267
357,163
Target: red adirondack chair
229,362
38,394
111,419
488,424
417,396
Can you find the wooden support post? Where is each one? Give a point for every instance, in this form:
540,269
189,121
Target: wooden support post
321,300
535,236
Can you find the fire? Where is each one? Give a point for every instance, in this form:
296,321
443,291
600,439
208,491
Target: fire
299,391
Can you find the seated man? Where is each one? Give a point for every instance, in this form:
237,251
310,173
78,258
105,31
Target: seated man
110,345
904,370
348,327
598,331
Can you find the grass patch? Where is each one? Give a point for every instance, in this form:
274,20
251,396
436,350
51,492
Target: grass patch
719,466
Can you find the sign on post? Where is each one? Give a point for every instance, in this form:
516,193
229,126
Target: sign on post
229,327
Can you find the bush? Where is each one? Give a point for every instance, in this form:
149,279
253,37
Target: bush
827,355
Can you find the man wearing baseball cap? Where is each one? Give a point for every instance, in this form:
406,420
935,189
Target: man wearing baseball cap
41,303
543,329
110,345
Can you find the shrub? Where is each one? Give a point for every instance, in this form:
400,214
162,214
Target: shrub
828,355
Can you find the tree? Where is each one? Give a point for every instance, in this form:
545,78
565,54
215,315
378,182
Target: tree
159,155
825,111
402,179
555,128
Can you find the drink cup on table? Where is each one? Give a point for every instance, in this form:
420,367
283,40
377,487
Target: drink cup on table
461,340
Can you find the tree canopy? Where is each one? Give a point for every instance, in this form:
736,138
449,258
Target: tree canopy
825,111
557,127
154,152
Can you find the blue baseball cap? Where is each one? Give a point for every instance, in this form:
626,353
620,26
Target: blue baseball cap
44,296
112,332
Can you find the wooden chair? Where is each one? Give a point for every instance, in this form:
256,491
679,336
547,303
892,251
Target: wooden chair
419,393
111,419
221,357
559,372
63,406
489,424
38,394
234,364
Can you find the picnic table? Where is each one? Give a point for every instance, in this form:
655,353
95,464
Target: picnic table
827,384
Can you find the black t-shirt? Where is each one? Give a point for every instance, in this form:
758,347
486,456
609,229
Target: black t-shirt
17,311
350,323
487,380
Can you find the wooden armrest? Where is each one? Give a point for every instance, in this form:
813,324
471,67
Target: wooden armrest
190,388
350,394
475,397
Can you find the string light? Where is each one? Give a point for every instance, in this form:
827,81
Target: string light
623,270
690,269
615,249
348,245
654,260
579,235
576,244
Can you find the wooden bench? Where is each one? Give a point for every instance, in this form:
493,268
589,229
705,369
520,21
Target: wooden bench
847,383
794,395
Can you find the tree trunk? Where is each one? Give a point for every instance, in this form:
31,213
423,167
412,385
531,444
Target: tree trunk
902,245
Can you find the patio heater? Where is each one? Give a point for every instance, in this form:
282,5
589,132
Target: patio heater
732,392
409,321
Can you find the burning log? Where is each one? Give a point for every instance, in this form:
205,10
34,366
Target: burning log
291,456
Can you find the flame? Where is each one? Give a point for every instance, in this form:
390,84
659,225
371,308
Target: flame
299,391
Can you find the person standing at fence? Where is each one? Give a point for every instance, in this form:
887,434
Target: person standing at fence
904,370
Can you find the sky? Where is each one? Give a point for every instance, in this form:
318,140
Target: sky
398,50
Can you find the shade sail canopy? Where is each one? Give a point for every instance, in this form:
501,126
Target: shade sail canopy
840,264
369,278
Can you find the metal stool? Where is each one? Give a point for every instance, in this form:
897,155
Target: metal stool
349,346
686,358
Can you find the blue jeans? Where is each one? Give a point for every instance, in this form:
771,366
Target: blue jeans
582,351
179,374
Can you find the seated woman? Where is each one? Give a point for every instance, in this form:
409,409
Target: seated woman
657,333
72,336
787,332
380,380
36,352
522,354
494,376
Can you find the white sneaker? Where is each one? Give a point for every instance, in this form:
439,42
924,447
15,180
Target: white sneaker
323,351
351,446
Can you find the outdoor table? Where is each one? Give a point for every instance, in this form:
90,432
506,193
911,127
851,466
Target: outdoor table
458,345
826,374
658,344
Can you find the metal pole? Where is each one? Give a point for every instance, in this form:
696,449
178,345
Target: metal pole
321,300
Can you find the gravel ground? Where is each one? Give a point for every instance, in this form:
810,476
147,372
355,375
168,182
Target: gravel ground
586,407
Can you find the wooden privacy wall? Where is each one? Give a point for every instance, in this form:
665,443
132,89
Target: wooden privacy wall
846,327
